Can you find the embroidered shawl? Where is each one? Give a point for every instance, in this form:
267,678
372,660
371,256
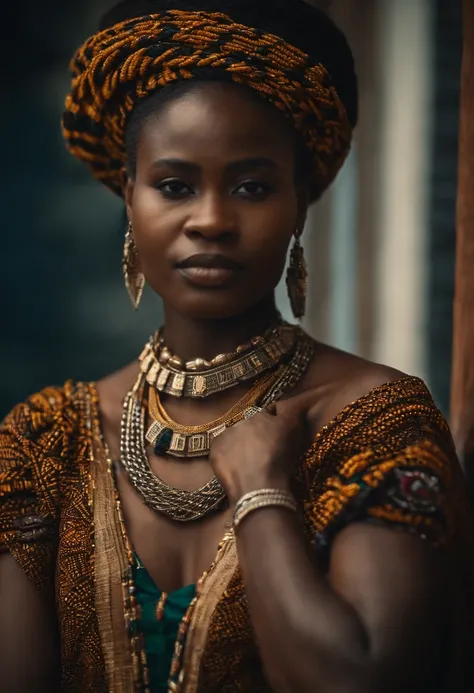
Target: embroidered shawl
388,458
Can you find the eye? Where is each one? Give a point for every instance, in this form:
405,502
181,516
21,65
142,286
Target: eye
253,188
174,187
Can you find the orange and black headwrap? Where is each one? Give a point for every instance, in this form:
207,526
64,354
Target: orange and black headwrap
287,51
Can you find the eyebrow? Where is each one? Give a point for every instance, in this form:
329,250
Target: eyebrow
232,167
251,162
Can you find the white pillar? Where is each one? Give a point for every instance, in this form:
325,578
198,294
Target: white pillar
316,243
343,244
405,35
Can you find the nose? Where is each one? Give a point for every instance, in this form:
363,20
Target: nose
211,218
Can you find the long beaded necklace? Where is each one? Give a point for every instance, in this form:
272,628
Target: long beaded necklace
180,505
286,380
141,673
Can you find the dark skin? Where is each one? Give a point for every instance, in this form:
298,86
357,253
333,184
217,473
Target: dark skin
374,621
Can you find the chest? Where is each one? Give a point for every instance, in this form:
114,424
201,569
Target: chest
92,566
175,554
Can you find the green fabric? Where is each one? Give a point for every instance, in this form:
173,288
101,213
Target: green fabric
160,636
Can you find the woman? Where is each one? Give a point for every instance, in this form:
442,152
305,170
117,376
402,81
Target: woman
328,485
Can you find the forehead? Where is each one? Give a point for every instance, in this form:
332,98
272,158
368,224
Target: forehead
217,119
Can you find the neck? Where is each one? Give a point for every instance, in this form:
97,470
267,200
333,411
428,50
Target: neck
191,339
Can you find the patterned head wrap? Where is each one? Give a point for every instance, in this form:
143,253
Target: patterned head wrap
286,51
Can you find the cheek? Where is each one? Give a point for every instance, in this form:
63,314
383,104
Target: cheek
145,209
153,223
268,262
269,236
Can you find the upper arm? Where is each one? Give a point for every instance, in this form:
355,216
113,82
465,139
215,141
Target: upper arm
32,439
30,452
393,467
398,586
29,659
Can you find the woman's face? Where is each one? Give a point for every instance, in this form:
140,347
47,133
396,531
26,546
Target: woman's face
214,202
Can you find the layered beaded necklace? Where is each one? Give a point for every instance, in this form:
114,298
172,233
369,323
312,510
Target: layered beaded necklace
284,355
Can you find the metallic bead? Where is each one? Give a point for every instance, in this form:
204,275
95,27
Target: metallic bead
175,362
199,385
152,374
165,355
220,359
162,378
177,385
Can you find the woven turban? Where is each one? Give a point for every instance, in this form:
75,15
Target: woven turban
285,50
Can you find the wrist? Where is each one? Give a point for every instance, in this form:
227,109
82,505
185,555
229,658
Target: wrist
242,487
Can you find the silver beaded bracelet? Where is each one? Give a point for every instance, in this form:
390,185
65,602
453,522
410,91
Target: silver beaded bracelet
263,498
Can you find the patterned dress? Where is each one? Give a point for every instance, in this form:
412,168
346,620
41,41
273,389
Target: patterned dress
386,458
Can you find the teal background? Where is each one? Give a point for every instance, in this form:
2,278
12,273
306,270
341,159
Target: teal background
65,312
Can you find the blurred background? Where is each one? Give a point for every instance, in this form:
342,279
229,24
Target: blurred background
380,244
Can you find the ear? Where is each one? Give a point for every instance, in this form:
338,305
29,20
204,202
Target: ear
128,197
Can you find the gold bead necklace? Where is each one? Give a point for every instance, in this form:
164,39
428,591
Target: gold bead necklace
178,440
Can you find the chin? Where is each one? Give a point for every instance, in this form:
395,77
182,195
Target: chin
213,306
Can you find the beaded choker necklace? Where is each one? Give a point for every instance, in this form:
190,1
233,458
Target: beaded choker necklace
199,378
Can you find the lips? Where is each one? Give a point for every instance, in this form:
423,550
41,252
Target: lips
209,261
207,270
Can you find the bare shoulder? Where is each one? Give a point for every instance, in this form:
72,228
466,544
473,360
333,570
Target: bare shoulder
337,378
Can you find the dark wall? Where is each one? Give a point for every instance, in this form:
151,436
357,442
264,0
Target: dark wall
65,312
447,72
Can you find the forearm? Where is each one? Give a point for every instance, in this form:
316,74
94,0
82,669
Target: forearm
309,638
29,650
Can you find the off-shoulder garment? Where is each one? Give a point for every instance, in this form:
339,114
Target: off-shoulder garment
387,458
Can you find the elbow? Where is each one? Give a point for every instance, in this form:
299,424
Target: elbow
337,664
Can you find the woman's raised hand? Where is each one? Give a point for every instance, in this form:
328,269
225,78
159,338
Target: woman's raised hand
262,452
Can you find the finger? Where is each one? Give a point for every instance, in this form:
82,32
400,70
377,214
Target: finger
300,409
291,408
271,408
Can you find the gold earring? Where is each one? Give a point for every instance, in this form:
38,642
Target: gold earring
134,278
296,278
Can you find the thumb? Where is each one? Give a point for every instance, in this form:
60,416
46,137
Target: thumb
294,408
271,408
294,415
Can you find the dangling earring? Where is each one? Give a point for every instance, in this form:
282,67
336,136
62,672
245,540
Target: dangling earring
296,278
134,278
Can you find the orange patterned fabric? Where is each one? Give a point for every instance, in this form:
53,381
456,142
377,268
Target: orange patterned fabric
357,471
45,454
386,458
118,67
